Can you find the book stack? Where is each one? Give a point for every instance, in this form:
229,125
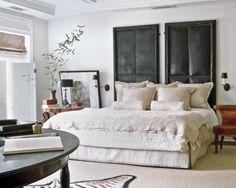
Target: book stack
50,103
11,128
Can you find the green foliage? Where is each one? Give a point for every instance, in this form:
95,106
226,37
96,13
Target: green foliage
58,57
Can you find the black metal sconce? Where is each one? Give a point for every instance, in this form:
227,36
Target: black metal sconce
107,87
224,78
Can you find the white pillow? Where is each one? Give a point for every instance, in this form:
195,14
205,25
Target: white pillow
167,106
119,86
132,105
199,98
150,84
176,94
145,94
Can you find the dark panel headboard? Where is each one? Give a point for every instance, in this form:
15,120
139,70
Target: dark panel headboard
190,53
136,53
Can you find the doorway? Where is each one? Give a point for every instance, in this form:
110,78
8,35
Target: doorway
17,86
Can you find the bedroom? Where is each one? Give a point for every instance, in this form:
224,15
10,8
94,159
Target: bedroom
95,52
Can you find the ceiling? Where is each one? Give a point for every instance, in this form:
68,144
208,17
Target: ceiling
49,9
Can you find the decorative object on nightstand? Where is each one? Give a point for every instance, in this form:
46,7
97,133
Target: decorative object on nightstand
228,125
53,96
225,84
57,58
64,84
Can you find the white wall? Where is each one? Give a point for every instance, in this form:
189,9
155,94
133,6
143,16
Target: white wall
95,51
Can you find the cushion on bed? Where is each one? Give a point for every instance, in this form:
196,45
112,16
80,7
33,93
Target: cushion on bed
120,85
199,98
151,84
176,95
129,105
167,106
145,95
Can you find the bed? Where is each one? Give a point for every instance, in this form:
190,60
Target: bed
108,135
135,136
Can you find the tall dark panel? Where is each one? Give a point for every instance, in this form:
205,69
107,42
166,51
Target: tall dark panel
145,54
127,65
199,50
190,53
178,51
136,53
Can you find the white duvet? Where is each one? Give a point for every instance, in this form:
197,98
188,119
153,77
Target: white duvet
160,130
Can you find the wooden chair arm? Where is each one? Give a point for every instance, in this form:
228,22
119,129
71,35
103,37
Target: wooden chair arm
225,107
228,113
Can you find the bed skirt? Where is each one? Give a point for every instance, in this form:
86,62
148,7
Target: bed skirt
170,159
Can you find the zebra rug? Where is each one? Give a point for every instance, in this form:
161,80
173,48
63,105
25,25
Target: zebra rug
121,181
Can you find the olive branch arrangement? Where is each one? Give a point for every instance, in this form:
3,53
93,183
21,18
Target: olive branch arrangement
59,57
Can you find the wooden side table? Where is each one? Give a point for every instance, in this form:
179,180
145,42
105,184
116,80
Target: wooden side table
228,126
48,112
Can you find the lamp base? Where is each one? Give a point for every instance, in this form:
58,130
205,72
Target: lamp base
65,102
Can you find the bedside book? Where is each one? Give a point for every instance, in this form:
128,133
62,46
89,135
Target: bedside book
31,144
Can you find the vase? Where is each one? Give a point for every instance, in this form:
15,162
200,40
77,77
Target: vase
53,95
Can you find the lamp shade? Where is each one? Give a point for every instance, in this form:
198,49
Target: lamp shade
224,75
66,83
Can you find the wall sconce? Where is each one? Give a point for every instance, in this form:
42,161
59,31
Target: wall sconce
106,87
224,78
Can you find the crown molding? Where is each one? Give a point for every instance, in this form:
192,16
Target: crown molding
36,5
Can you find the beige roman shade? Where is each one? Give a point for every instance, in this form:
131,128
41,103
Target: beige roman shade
12,43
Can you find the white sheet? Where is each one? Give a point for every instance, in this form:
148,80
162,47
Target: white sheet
115,135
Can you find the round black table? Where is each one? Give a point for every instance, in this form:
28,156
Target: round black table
22,169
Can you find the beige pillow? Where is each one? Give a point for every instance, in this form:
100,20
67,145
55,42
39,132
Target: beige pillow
199,98
176,94
131,105
139,94
150,84
167,106
119,86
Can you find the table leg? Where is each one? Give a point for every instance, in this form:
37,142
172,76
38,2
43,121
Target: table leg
46,116
221,142
216,143
65,177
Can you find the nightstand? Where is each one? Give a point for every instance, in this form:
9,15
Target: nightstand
50,111
228,126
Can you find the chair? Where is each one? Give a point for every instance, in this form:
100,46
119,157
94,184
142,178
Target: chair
228,125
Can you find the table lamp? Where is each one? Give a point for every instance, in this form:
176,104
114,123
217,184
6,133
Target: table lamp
64,84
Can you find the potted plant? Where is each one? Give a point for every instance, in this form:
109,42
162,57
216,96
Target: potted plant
59,57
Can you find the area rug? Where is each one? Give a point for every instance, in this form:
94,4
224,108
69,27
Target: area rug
121,181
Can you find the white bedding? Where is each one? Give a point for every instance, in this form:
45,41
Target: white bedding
145,130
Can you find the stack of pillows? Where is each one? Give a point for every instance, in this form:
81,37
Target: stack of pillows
149,96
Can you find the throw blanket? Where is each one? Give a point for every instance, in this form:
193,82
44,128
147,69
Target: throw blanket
181,124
